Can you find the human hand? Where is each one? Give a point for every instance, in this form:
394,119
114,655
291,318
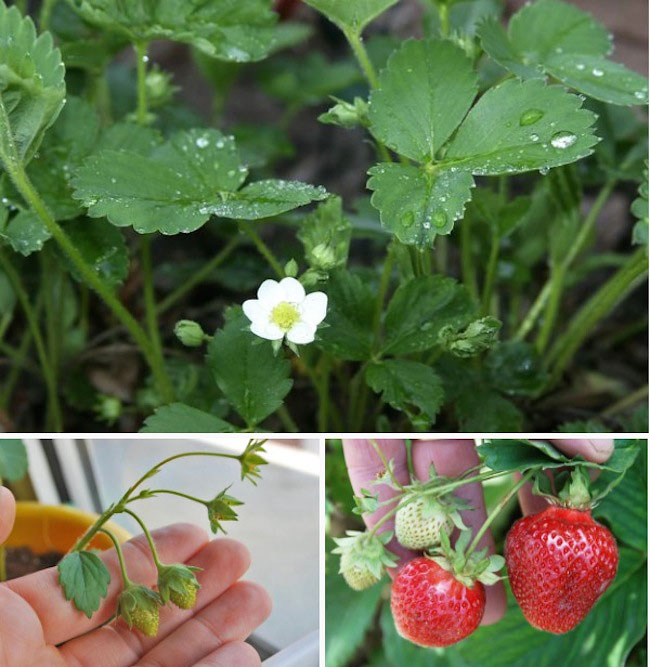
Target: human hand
39,627
451,458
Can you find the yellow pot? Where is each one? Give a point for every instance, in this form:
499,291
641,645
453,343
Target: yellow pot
45,528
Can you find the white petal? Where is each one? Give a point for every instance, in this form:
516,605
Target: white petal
255,310
301,333
266,329
270,292
314,308
292,290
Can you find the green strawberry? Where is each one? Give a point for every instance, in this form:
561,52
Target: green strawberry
363,558
146,620
186,599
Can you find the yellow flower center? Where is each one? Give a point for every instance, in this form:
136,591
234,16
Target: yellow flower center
285,315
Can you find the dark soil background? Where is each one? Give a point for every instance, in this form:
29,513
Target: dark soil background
22,561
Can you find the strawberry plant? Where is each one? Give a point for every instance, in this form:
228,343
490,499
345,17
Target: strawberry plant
84,578
568,569
369,232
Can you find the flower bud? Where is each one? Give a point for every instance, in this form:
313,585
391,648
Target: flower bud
189,333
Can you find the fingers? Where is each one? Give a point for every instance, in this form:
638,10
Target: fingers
60,619
7,513
231,617
451,458
595,450
222,562
235,654
364,466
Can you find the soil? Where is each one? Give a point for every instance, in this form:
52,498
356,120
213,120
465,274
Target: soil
22,561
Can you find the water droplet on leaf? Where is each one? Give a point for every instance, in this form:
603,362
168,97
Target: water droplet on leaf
531,116
439,218
597,72
407,219
563,140
534,137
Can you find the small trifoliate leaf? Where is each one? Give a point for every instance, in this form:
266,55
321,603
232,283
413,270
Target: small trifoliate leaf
416,203
325,234
351,16
254,380
232,30
181,183
556,38
418,310
346,114
32,85
407,384
84,579
478,336
422,96
520,126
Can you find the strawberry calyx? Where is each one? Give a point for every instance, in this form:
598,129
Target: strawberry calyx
178,583
139,606
574,494
434,506
466,567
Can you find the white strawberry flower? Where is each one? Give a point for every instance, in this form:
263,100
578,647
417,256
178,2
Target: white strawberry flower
282,309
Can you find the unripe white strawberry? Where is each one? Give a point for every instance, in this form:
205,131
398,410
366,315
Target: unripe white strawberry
419,522
363,558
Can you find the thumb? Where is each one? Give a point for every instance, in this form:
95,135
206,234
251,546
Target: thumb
7,513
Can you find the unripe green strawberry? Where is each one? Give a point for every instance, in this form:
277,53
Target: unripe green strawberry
363,558
186,599
139,606
146,620
418,524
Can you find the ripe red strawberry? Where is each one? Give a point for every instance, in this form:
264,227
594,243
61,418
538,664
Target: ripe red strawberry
560,562
431,607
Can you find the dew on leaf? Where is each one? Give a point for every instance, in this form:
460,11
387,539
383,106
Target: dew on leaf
407,219
563,140
202,142
543,171
530,117
597,72
639,94
439,218
534,137
580,66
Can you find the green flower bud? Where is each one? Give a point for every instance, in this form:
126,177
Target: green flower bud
291,268
189,333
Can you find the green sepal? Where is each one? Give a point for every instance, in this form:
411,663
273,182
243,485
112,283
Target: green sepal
135,597
178,578
575,494
250,461
221,509
366,551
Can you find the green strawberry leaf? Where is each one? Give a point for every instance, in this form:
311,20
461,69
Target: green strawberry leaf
423,95
231,30
181,418
420,308
194,175
417,204
84,579
557,38
481,409
13,460
350,313
102,246
32,86
406,384
253,379
515,369
25,233
520,126
351,16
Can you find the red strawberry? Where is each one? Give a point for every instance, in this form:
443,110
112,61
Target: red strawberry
431,607
560,562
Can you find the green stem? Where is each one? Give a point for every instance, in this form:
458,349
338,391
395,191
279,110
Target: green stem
490,274
156,363
443,12
147,534
150,297
583,234
45,15
409,458
558,275
597,307
496,511
634,397
287,420
467,261
171,492
18,363
198,277
384,519
384,283
361,54
120,556
141,49
323,389
54,408
385,463
262,248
